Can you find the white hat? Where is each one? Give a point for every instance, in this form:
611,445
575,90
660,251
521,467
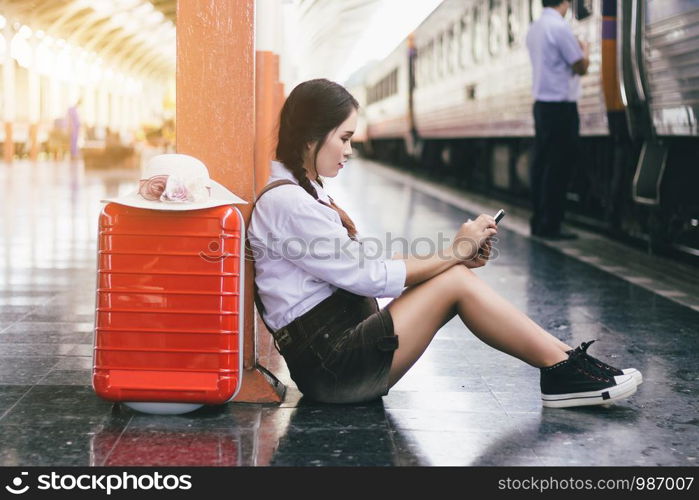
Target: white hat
177,182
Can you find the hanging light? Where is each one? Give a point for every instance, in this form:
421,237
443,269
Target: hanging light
21,51
25,31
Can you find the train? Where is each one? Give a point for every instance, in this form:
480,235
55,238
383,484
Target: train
453,102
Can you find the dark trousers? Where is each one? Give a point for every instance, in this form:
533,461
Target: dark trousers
557,127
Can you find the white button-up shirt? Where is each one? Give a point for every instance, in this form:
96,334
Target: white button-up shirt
553,49
303,254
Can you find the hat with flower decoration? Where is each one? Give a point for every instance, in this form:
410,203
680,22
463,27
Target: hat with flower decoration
177,182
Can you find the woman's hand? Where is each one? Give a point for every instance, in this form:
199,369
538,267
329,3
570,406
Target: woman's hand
482,257
472,239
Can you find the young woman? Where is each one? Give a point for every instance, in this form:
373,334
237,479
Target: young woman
317,286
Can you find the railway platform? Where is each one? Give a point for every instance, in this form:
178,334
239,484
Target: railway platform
463,403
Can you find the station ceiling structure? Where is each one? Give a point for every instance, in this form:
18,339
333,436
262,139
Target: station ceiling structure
138,36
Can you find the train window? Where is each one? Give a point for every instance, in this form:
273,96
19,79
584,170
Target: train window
426,62
441,61
456,46
433,59
496,28
450,51
447,51
454,50
420,71
582,9
417,68
444,54
514,27
429,62
422,75
466,39
415,61
443,58
479,33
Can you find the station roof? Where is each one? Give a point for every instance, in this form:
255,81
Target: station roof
136,35
167,7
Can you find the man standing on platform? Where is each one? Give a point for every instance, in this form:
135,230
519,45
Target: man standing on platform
558,60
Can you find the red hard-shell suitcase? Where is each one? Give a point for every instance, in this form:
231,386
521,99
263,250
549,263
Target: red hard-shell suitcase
169,318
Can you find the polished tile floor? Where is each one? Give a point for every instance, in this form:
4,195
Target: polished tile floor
463,403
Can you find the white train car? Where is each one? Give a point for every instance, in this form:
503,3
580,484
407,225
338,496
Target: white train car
386,92
454,99
474,75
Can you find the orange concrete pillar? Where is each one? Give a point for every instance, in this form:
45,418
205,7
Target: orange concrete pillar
34,141
280,97
9,146
215,123
278,87
266,115
268,27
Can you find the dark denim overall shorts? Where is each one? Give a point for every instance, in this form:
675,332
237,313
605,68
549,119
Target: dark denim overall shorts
341,350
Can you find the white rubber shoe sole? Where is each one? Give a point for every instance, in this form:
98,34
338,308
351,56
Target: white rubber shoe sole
626,386
635,373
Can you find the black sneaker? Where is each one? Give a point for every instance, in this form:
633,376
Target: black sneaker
638,377
578,382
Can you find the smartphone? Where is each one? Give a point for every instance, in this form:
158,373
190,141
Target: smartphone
498,216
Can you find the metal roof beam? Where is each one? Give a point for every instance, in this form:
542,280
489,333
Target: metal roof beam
54,26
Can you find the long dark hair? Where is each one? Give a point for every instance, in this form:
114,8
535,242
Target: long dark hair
313,109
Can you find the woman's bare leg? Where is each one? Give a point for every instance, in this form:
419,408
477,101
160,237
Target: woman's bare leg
562,345
423,309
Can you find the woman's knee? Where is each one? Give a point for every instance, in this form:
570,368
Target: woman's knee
460,278
449,285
